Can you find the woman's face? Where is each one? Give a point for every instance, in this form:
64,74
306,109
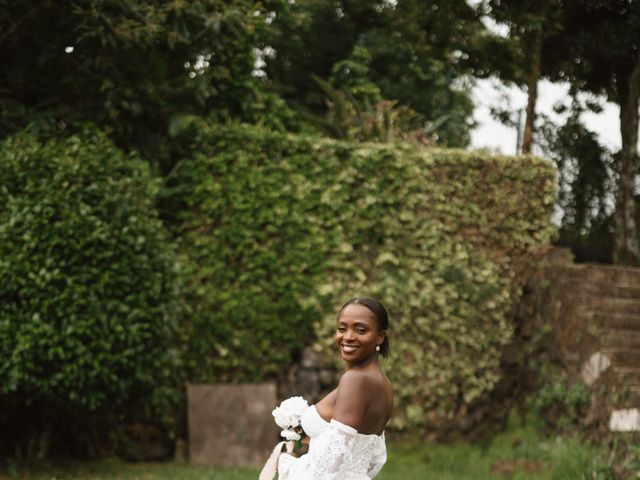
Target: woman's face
357,334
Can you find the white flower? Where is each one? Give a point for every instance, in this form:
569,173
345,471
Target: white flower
290,435
288,415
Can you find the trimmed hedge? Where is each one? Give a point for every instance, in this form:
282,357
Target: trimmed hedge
89,297
279,230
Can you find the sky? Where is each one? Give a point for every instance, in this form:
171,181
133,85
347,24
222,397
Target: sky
491,134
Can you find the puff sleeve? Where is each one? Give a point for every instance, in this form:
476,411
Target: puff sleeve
329,457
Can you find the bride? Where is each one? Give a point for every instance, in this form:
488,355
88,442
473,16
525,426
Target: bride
346,428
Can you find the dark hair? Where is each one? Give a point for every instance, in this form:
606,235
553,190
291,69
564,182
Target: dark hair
379,312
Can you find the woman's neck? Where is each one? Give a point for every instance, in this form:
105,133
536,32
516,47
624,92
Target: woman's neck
372,360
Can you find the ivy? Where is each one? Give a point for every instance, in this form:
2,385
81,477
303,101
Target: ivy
276,231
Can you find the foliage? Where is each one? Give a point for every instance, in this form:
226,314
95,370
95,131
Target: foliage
251,253
421,56
383,121
560,401
587,27
134,68
357,110
598,51
593,46
88,282
352,75
529,22
280,230
585,183
585,169
424,57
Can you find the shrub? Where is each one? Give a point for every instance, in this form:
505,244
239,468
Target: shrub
280,230
252,256
88,282
559,402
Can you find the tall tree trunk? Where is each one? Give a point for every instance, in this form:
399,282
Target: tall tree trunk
533,75
625,240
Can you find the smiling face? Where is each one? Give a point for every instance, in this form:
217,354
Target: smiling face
357,334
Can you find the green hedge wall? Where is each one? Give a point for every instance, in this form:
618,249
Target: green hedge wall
277,231
89,286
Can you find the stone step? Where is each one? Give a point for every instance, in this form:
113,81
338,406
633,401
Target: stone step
608,273
619,338
603,289
623,357
605,319
630,306
634,401
631,375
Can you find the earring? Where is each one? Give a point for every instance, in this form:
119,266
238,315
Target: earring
377,348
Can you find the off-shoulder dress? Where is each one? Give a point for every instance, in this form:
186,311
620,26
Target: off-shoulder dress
336,452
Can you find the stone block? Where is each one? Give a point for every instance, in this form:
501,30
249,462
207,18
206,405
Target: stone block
231,425
328,378
308,381
625,420
594,367
559,256
309,358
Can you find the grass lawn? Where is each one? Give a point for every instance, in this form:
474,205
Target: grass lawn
520,454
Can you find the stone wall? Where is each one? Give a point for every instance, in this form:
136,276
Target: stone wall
231,425
312,377
592,315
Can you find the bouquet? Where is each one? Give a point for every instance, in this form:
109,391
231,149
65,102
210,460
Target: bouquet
288,415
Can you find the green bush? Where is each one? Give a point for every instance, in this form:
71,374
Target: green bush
560,402
279,230
252,256
89,295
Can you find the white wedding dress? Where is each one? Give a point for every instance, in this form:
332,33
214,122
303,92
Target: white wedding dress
336,452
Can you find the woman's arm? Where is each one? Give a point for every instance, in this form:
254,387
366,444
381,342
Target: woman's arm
352,399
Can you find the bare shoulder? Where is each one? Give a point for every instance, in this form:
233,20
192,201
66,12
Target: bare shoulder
352,398
363,400
358,380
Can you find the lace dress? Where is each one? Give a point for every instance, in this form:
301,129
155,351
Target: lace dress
336,452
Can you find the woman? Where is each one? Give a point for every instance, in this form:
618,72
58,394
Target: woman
346,428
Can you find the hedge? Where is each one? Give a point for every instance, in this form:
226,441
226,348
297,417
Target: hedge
279,230
89,285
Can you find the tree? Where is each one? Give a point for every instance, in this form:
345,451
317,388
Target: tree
584,183
89,292
137,69
356,110
419,58
308,38
529,22
599,51
423,55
